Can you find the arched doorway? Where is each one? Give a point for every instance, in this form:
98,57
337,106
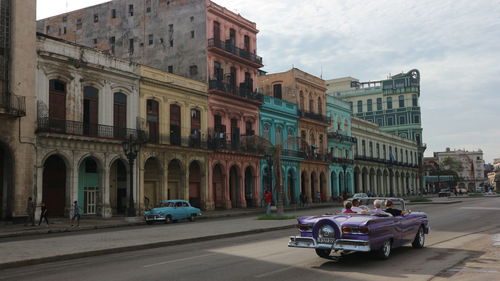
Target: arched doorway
313,187
218,186
174,188
6,165
342,185
249,187
195,184
88,186
118,181
152,183
234,186
334,184
54,185
357,184
292,194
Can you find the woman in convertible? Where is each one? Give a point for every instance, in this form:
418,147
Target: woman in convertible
347,208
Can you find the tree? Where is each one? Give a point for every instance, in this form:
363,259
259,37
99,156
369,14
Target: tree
449,163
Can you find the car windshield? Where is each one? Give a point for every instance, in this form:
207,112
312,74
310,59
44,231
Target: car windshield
167,204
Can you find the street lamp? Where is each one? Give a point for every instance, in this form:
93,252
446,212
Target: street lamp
131,148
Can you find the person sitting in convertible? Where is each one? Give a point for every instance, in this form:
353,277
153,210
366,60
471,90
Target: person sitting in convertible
377,208
356,206
347,208
389,208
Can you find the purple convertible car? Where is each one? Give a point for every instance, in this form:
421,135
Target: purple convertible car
377,233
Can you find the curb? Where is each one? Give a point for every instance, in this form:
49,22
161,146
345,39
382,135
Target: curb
143,223
435,203
138,247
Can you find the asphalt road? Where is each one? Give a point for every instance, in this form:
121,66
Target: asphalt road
458,232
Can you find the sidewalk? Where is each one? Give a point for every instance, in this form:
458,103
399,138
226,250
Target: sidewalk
84,244
62,225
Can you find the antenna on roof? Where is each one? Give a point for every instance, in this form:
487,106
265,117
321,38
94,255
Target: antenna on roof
321,76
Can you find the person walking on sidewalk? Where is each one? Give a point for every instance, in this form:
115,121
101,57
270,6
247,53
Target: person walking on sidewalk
43,214
76,214
268,198
30,210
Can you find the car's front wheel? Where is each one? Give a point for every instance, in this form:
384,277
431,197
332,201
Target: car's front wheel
323,253
419,240
168,219
385,251
192,217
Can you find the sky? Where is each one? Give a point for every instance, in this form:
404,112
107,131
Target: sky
455,44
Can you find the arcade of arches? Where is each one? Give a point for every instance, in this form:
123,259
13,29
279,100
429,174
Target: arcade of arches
382,181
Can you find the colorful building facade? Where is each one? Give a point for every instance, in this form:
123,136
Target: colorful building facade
279,125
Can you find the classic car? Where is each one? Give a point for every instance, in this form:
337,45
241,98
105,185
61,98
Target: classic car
371,231
360,195
172,210
444,192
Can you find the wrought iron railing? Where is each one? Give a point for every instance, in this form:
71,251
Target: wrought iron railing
231,48
67,127
233,90
314,116
13,104
385,161
342,137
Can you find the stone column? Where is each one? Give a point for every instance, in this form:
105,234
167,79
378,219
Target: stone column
227,196
241,191
39,190
106,206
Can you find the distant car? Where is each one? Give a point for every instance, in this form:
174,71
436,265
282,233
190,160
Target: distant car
445,192
172,210
462,190
360,195
374,231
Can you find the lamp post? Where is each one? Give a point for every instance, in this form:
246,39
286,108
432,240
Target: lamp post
344,166
131,148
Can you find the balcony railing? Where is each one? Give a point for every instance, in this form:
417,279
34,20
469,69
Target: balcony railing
293,153
385,161
314,116
231,48
13,105
67,127
235,91
175,140
342,137
337,160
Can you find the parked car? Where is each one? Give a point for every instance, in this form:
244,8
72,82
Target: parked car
462,190
378,233
360,195
444,192
172,210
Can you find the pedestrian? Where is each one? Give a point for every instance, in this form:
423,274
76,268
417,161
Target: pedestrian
301,198
76,214
30,211
318,197
268,198
43,214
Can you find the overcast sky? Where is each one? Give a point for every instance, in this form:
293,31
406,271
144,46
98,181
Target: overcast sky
455,45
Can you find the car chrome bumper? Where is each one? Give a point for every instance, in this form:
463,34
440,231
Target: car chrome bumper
340,244
154,218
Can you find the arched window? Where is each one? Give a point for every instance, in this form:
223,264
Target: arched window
195,138
278,135
277,91
57,100
120,115
389,103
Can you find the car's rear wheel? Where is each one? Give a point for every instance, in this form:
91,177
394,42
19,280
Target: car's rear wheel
168,219
419,240
385,251
149,222
323,253
192,217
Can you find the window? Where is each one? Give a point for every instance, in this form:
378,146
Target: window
148,6
360,106
384,151
47,29
320,106
414,100
266,131
90,110
113,14
369,105
65,30
416,119
193,70
171,28
389,103
79,24
153,117
249,128
390,121
131,46
216,31
378,150
171,69
151,39
171,43
192,33
351,106
371,149
60,32
311,105
96,18
301,100
195,126
278,135
246,43
277,91
131,10
363,147
191,18
65,18
112,41
380,122
95,42
379,103
120,115
402,120
401,101
175,124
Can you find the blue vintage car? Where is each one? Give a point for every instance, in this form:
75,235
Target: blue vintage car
366,231
172,210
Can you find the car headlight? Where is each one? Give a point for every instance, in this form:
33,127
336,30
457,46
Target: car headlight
327,231
161,213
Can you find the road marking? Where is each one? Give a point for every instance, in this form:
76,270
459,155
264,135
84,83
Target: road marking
274,272
480,208
179,260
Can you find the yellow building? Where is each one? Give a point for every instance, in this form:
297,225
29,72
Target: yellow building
172,165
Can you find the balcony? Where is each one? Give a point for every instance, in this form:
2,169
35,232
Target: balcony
293,153
218,140
385,161
220,87
342,137
67,127
227,48
175,140
314,116
12,105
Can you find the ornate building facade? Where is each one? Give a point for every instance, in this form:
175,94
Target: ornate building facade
173,164
472,174
87,105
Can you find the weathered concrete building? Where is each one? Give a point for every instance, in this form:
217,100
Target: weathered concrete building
173,35
17,106
471,175
87,106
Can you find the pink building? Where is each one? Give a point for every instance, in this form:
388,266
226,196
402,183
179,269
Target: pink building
233,110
